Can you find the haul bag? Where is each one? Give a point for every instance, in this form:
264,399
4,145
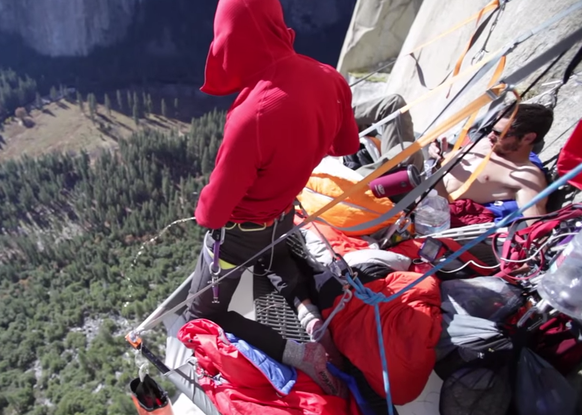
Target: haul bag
149,397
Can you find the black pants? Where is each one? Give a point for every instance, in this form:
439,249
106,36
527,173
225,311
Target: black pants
242,242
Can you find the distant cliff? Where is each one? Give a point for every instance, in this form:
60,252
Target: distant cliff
75,27
65,27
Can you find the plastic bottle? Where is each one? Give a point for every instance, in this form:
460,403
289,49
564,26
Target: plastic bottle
432,215
561,285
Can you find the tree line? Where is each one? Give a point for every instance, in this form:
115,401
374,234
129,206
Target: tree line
15,91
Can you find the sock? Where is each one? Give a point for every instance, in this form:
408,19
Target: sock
326,341
306,313
311,359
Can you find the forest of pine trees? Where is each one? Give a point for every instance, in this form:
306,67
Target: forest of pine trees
50,289
15,91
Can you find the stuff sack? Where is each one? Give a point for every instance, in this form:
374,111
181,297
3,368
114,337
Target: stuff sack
330,180
411,327
475,391
541,389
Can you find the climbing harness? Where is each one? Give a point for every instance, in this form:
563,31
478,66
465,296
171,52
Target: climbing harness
215,270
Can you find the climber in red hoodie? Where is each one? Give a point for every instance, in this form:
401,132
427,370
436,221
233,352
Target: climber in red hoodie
290,112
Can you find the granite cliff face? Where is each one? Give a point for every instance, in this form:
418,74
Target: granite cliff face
65,27
75,27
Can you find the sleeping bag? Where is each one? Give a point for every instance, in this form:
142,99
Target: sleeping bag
331,179
242,380
411,325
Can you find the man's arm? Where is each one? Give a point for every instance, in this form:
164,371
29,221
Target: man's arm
531,188
236,169
347,140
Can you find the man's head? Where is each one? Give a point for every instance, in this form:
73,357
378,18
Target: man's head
249,36
532,122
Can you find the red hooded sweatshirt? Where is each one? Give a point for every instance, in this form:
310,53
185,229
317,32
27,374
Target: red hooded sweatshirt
291,112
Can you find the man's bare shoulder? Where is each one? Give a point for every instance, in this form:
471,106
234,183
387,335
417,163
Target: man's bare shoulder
530,175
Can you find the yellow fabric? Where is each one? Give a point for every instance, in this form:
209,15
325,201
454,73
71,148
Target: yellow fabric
422,142
493,5
222,264
359,208
461,190
450,81
496,75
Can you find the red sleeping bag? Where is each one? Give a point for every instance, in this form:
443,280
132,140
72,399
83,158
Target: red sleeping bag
246,390
411,326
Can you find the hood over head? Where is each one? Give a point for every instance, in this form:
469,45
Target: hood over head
249,36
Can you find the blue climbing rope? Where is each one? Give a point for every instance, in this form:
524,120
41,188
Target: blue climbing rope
374,299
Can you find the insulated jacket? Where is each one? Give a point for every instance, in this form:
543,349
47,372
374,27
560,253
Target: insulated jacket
411,326
242,380
291,112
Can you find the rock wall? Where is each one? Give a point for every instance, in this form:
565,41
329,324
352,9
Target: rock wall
376,33
309,16
75,27
67,27
438,59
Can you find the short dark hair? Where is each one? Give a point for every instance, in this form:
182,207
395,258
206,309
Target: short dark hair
532,118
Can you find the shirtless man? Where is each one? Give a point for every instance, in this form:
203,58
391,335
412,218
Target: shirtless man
509,174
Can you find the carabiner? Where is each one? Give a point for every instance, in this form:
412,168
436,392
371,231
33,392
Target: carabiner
214,267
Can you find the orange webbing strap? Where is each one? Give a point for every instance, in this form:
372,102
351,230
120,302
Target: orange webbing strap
463,134
494,4
422,142
477,16
461,190
450,81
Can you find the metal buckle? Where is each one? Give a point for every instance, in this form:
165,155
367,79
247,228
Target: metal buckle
402,223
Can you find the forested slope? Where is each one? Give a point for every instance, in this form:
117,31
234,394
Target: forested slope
70,229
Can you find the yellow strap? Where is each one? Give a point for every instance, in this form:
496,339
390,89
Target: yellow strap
450,81
491,6
496,75
422,142
460,191
494,4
